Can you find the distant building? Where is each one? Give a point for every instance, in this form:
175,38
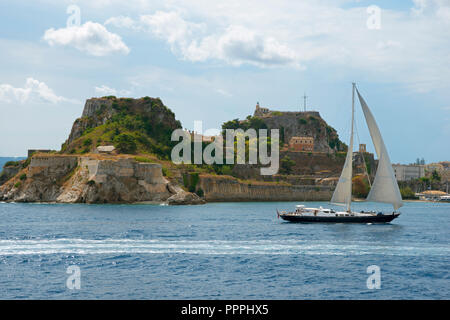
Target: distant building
433,195
199,137
301,144
259,112
442,168
405,172
362,148
105,149
364,162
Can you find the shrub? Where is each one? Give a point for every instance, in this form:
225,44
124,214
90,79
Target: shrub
23,176
227,170
194,179
27,162
407,193
435,176
87,142
302,121
166,172
286,165
360,187
190,181
12,164
125,143
200,192
18,185
91,183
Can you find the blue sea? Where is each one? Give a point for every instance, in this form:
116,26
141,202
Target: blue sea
219,251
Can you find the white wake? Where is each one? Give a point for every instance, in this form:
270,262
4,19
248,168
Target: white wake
214,247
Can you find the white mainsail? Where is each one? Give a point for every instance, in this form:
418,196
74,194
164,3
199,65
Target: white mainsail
384,188
342,195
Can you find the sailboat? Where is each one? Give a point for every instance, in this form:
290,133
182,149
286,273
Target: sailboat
384,188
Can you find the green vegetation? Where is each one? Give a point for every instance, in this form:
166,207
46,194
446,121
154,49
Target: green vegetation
12,164
425,180
200,192
190,181
276,113
435,176
407,193
360,186
143,159
302,121
286,165
141,126
251,122
18,184
314,119
23,176
333,139
125,143
87,142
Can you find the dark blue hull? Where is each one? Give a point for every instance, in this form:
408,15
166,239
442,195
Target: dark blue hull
380,218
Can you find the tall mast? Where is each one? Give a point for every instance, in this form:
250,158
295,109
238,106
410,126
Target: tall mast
342,194
350,149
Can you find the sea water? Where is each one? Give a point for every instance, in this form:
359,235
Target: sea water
219,251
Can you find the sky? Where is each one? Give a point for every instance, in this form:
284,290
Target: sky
213,60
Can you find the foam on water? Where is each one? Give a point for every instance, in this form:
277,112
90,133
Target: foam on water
214,247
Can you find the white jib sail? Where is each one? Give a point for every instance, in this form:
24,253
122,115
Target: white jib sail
343,193
384,188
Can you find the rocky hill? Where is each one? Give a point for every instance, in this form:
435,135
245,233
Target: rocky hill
293,124
131,125
140,129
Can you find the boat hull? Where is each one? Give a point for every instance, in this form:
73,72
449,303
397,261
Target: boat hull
381,218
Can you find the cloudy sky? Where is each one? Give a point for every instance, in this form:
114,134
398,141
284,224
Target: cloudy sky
213,60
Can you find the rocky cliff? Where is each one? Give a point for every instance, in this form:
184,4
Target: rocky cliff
132,125
92,179
293,124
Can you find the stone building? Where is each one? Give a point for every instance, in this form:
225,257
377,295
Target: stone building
259,112
105,149
301,144
405,172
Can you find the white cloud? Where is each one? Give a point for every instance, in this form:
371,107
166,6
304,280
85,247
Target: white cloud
104,90
34,90
122,22
412,47
235,44
92,38
238,45
223,92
